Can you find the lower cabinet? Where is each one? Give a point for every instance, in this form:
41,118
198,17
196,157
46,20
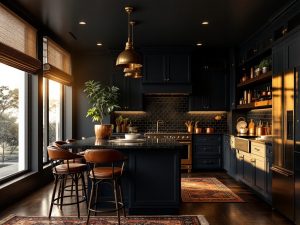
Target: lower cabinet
253,168
207,151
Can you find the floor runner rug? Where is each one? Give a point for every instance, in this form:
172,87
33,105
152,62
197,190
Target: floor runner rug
208,189
130,220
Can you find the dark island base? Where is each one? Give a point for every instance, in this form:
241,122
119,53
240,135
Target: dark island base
153,211
151,179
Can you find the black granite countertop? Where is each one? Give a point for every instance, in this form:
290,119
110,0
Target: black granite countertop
91,142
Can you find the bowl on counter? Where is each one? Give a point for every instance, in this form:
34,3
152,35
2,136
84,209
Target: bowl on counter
132,136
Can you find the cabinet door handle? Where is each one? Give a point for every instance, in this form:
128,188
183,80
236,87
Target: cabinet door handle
253,160
257,149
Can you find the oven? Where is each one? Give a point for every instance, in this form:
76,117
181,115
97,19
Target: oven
183,138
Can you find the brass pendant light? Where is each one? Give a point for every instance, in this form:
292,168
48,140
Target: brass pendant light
129,58
133,70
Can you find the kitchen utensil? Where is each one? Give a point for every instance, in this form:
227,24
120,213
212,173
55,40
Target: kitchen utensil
241,123
189,125
209,130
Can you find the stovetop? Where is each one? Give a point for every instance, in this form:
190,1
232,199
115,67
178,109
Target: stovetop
170,135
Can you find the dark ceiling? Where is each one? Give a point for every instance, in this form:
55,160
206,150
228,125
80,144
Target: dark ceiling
159,22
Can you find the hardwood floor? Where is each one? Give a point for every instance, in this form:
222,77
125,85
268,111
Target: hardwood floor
253,212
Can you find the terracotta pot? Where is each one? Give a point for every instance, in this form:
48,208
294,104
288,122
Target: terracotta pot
103,131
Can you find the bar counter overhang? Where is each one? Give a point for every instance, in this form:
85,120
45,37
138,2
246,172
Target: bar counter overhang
151,181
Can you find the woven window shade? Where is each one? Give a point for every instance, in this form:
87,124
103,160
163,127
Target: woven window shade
17,42
57,62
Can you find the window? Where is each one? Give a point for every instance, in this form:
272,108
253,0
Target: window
57,75
53,113
13,121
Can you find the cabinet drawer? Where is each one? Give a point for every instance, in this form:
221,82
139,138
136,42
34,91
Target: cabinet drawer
208,163
206,149
258,149
207,139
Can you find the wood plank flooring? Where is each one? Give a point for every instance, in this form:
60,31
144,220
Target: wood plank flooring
253,212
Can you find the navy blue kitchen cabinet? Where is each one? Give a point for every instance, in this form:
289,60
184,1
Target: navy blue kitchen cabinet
210,81
166,68
131,97
207,151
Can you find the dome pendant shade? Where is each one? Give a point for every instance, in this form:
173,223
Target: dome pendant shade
129,58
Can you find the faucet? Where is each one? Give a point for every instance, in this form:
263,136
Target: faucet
157,124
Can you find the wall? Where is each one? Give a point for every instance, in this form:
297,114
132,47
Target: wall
88,66
173,110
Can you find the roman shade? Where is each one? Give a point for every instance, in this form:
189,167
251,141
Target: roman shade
17,42
56,62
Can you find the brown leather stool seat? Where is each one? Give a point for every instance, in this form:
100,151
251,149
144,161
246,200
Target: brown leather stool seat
97,160
63,168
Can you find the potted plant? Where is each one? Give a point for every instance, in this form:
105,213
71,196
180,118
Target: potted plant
119,121
103,101
264,65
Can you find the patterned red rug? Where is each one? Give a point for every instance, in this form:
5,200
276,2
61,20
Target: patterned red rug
131,220
208,189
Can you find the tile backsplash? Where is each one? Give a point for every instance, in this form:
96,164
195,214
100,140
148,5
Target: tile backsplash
173,110
263,115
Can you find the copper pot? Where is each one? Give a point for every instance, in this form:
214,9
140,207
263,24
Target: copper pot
209,130
198,130
190,129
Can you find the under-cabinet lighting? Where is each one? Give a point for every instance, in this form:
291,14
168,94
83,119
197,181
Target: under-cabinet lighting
82,22
205,23
130,112
199,44
205,112
99,44
261,110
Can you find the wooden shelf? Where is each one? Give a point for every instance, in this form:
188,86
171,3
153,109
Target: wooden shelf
256,105
259,54
259,79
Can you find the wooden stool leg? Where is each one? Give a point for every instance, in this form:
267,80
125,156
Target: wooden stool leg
116,200
90,202
62,190
76,190
84,189
53,195
121,197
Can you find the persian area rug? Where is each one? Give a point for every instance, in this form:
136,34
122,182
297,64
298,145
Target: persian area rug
208,189
108,220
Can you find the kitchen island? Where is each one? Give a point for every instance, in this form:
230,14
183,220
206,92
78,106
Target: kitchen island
151,181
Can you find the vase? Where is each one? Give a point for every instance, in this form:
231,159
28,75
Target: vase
103,131
118,129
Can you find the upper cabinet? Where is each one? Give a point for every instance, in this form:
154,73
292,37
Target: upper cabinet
131,97
161,67
209,81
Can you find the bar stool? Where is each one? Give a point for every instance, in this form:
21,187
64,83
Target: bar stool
97,160
62,169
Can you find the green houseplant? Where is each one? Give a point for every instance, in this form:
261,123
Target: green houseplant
264,65
103,101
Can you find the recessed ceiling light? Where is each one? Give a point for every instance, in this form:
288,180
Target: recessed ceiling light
99,44
82,22
199,44
205,23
